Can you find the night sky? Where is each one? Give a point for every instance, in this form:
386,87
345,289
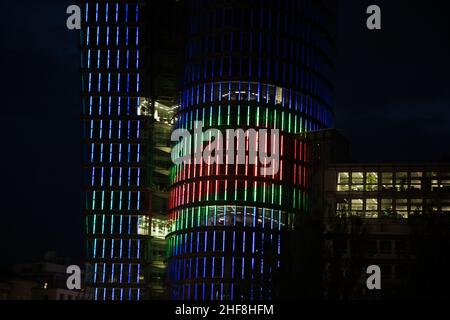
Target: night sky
393,103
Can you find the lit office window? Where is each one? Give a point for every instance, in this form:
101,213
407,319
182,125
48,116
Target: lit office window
445,184
445,206
435,185
371,181
342,208
387,181
357,181
143,225
416,181
401,181
371,208
159,228
357,207
343,181
401,208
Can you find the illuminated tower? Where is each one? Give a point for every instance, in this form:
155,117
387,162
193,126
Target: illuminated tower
130,65
117,202
250,65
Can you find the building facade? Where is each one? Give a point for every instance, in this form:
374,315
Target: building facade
129,72
223,226
402,214
389,190
393,215
249,65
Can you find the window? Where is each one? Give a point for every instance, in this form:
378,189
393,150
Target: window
445,206
342,207
401,207
430,206
357,181
386,180
343,187
416,181
357,206
279,95
343,181
344,178
158,230
445,184
386,207
371,181
357,178
416,206
401,181
435,184
371,208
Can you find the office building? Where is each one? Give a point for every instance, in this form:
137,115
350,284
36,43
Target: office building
250,65
130,64
391,215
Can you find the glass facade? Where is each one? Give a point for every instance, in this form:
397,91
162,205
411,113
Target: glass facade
250,65
392,193
117,221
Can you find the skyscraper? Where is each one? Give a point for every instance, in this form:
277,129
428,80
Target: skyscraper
129,67
117,211
250,64
233,230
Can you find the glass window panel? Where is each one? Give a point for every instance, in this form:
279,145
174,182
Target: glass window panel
371,204
371,178
343,178
357,206
401,175
435,185
401,207
343,187
357,177
371,181
401,181
387,177
387,207
371,208
357,187
387,180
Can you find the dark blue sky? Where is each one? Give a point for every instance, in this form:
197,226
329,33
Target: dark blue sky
41,196
393,85
393,103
